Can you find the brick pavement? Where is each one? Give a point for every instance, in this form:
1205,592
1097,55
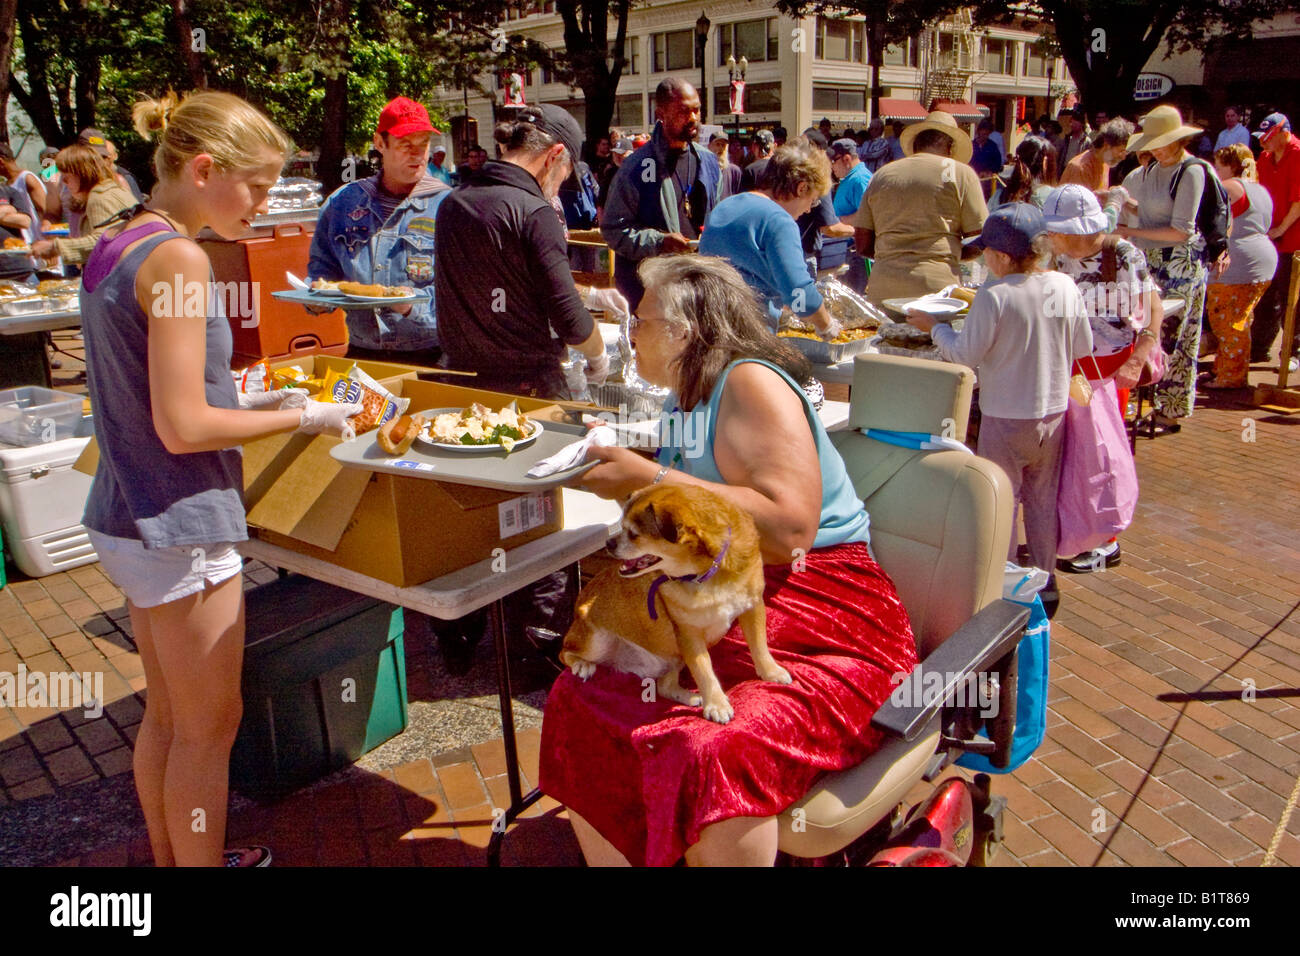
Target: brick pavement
1206,599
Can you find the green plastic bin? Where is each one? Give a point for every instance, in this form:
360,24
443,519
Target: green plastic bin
324,682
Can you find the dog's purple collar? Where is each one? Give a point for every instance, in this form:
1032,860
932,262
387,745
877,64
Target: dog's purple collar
692,578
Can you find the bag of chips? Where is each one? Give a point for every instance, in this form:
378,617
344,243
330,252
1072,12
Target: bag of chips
379,404
256,378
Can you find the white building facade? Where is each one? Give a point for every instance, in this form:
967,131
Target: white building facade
798,70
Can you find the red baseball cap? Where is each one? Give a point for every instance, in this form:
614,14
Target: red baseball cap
402,117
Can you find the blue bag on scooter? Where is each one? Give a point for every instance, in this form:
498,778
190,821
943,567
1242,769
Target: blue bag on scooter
1031,682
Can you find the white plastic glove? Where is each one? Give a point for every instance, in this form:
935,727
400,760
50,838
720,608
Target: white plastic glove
320,418
597,369
610,300
279,398
831,331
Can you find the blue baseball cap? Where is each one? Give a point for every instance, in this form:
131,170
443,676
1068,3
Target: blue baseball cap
1011,229
1271,123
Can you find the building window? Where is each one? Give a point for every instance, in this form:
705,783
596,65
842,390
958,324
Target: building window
756,40
1035,61
841,40
901,54
629,112
674,51
832,99
759,98
1000,57
632,54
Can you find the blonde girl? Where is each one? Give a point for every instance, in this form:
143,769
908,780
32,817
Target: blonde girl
165,510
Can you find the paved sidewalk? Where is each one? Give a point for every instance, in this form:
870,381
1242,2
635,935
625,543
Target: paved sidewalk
1206,599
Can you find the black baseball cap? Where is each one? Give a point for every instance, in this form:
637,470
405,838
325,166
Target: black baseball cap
558,122
843,147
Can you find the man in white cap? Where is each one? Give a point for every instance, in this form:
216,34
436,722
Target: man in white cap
437,169
917,210
729,184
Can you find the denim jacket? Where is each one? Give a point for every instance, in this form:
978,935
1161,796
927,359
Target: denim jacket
351,243
642,207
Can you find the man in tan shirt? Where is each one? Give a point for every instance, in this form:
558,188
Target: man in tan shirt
916,211
1091,168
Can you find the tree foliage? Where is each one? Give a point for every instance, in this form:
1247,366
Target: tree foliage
322,69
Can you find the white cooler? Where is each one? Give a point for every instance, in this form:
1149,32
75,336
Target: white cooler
41,501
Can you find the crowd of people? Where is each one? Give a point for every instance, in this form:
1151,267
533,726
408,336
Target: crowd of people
707,256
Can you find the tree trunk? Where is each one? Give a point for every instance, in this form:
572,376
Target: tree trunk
37,100
875,53
86,91
1107,78
334,107
333,144
184,30
8,27
586,42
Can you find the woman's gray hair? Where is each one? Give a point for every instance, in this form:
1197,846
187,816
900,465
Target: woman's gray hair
705,299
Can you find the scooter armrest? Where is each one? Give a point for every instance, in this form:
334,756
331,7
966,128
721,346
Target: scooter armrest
983,640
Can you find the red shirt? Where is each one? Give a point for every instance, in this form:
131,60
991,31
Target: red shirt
1282,180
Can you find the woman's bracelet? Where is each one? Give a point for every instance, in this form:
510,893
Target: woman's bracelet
660,477
1146,332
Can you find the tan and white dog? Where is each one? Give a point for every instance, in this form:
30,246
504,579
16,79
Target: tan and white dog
691,567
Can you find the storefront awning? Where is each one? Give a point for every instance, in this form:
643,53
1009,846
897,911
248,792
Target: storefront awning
962,111
899,109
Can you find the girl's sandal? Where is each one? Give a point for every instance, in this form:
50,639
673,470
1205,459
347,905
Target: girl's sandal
247,856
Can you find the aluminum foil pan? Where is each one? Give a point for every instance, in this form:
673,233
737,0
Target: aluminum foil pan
852,310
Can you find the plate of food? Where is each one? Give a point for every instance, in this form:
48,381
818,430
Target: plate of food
16,247
478,428
937,306
323,287
379,294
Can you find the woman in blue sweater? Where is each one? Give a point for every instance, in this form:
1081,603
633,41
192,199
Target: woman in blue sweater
756,233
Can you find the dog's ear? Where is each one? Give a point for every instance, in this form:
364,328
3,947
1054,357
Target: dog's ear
663,522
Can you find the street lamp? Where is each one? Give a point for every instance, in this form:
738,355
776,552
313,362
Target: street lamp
701,41
735,72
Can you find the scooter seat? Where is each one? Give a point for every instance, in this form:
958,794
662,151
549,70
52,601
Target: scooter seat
844,805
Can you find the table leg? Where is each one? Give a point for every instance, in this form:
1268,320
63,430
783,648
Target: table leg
519,801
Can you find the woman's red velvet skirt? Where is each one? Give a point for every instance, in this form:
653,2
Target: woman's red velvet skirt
650,775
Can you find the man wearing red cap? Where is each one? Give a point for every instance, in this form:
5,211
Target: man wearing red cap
1279,173
380,231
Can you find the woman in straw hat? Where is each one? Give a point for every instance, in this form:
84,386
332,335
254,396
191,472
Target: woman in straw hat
916,211
1166,231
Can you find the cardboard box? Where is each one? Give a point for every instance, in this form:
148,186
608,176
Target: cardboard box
405,531
318,366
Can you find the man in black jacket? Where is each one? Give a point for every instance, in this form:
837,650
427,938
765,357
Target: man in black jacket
507,305
508,310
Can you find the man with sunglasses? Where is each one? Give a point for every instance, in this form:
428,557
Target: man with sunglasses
379,231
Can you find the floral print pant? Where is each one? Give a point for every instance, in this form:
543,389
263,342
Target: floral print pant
1231,309
1181,273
